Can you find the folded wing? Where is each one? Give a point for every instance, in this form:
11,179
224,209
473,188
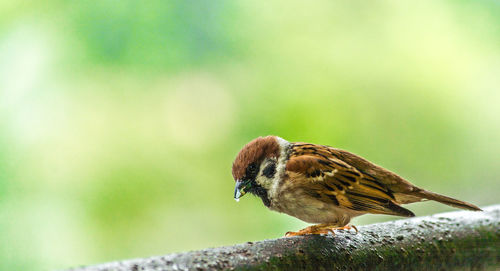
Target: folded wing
332,180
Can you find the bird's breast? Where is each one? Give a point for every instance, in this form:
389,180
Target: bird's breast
297,203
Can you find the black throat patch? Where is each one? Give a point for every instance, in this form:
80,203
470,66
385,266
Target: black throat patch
260,192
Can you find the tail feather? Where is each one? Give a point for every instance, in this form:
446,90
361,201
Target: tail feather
446,200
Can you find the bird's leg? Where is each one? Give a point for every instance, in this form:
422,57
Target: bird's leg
320,229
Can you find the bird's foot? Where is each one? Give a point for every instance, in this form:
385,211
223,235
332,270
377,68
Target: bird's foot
347,228
320,229
315,229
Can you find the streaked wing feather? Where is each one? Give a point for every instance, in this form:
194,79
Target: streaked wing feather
332,179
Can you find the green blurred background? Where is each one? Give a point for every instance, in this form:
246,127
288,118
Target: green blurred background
119,120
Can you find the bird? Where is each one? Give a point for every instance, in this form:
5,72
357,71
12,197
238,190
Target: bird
322,185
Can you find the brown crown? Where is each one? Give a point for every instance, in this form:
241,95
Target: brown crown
255,151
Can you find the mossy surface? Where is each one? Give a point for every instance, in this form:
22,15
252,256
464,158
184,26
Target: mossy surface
452,241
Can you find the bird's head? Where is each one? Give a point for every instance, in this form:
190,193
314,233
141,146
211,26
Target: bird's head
257,166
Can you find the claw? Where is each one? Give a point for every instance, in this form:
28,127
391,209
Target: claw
348,228
356,229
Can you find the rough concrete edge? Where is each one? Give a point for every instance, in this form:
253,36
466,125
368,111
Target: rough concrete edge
461,239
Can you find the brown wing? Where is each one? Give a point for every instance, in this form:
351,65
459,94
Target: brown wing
403,190
331,179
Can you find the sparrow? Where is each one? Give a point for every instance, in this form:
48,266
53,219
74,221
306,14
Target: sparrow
323,185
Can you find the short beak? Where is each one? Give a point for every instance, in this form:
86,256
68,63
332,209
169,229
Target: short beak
239,190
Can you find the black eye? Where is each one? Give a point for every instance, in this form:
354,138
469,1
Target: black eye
252,169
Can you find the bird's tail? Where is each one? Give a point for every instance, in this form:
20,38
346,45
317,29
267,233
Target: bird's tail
444,199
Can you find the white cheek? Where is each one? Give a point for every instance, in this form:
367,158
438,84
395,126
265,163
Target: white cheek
264,181
272,184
